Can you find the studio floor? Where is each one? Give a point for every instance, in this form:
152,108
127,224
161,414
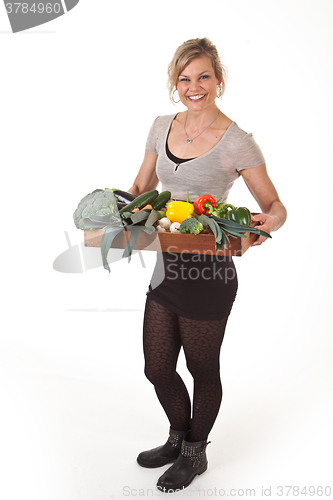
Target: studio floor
73,425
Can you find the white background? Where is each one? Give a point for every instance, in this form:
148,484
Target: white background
78,96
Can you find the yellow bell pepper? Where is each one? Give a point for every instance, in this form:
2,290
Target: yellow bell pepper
177,211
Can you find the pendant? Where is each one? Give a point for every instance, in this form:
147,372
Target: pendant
188,141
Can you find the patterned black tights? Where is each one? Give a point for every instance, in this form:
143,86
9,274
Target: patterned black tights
164,332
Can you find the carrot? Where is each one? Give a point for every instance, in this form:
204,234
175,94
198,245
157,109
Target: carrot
137,210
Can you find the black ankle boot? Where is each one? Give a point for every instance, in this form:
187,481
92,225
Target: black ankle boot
191,462
162,455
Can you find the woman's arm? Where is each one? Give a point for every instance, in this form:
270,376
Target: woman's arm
146,180
263,190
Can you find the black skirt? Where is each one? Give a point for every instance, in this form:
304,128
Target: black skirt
194,286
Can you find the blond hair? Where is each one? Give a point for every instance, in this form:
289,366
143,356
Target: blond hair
190,50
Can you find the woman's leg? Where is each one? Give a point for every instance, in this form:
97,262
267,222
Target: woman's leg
202,342
161,344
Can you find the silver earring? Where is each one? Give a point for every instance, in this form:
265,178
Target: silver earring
219,91
172,96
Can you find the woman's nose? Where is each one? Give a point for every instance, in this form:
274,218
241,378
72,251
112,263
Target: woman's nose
194,86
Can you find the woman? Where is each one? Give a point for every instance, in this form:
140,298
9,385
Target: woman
199,150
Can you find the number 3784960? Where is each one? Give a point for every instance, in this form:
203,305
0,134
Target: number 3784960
35,8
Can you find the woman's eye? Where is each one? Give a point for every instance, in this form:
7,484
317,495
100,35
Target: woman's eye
203,77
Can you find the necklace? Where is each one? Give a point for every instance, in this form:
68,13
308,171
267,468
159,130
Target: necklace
189,140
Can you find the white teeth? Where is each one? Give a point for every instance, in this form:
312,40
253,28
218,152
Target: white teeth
195,97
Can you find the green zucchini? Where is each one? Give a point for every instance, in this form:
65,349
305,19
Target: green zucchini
161,200
140,201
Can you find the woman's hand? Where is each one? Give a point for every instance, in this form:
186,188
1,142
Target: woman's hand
266,223
263,190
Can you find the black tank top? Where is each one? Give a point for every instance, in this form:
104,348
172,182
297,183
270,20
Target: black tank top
174,158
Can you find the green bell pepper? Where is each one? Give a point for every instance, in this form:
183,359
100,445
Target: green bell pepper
240,215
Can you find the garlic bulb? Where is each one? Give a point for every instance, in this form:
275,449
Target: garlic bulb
165,223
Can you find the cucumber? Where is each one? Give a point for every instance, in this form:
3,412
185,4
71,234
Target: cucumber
141,201
161,200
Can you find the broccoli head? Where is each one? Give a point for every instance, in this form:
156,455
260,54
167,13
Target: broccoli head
99,202
191,225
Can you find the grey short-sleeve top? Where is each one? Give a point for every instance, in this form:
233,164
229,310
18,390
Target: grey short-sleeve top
211,173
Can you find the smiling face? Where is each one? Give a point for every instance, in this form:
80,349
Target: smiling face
197,84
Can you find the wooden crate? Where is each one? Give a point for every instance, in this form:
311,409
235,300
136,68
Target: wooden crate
173,242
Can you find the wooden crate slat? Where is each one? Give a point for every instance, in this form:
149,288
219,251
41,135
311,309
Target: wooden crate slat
173,242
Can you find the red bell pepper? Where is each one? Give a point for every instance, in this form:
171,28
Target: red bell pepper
204,203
